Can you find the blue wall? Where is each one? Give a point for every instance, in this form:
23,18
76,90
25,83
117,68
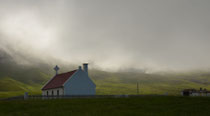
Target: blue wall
79,84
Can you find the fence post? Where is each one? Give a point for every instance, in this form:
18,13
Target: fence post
25,95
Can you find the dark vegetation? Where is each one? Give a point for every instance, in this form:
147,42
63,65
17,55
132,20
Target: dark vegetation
137,106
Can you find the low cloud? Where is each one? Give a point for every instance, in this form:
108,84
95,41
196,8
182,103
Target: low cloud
111,35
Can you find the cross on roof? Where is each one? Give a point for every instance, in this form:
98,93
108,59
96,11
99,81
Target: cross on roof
56,69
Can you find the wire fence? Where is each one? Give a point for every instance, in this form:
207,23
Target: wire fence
72,96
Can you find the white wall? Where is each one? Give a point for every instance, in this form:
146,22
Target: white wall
195,94
61,92
200,94
79,84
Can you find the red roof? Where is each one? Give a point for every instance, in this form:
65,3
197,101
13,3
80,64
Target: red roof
58,80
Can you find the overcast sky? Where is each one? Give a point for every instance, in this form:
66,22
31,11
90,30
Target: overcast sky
156,35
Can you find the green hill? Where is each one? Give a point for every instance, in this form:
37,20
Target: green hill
8,84
18,82
126,82
15,79
10,87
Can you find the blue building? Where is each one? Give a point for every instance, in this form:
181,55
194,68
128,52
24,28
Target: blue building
76,82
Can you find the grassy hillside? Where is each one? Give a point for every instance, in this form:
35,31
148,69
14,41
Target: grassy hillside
15,79
126,82
8,84
10,87
137,106
109,82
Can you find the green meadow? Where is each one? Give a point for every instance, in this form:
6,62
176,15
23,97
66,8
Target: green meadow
108,83
16,79
136,106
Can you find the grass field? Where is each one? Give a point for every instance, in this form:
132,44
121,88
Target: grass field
108,83
16,80
136,106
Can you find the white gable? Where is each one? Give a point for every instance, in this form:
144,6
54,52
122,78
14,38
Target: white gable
79,84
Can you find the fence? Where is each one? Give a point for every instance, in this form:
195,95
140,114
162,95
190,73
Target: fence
73,96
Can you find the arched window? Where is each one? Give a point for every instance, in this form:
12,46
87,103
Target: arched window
52,92
57,92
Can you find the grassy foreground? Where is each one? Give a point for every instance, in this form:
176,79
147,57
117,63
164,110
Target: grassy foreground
137,106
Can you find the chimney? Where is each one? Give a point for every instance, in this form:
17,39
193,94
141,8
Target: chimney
80,68
85,67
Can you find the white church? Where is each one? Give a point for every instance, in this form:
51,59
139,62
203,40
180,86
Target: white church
76,82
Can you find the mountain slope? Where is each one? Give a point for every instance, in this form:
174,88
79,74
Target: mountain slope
126,82
8,84
15,79
117,83
10,87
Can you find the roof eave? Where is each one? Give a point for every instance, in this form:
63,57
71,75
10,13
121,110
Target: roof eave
47,82
53,88
70,77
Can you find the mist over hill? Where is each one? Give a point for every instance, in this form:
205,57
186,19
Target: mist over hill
111,35
15,79
162,45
